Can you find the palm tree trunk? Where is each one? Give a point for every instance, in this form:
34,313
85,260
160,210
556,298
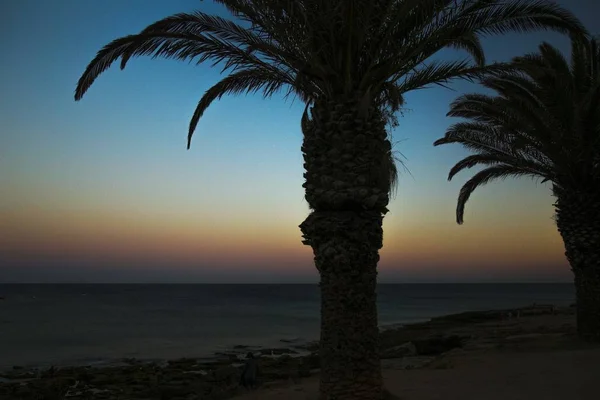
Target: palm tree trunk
346,253
347,175
578,220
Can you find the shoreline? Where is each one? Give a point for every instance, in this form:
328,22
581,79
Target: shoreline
294,347
411,346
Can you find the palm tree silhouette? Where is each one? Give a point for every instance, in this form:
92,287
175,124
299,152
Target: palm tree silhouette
544,122
350,62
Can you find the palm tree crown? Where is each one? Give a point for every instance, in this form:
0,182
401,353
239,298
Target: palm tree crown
352,61
543,122
324,48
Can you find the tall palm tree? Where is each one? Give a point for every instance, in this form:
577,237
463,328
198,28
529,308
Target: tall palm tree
544,122
350,62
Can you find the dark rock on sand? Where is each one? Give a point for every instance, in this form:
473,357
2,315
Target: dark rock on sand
438,344
403,350
311,346
312,361
292,340
228,375
277,351
182,362
468,317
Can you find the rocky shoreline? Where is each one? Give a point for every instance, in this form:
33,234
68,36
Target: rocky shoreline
416,345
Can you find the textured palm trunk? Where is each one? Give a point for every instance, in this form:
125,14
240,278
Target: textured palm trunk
346,158
578,220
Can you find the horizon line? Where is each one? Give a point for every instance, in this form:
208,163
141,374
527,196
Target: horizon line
285,283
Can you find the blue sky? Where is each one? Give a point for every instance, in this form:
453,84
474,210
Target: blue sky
106,183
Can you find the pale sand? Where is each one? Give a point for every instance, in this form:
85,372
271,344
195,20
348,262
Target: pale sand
554,375
521,373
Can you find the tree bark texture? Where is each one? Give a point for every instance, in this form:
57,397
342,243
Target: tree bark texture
578,220
346,154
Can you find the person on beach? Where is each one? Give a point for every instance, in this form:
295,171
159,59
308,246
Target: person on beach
250,372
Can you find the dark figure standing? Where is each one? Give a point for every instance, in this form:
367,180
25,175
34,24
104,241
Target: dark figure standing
250,372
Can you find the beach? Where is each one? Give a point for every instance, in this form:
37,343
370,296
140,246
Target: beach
519,353
78,325
533,357
550,375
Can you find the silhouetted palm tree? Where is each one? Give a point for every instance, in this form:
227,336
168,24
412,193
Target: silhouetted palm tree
350,62
544,122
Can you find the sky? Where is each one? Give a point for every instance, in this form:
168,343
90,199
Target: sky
104,190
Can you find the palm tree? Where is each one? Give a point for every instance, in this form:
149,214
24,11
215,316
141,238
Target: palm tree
350,62
544,122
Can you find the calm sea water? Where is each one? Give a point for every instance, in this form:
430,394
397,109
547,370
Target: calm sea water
74,324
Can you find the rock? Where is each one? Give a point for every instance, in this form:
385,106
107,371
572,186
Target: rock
468,317
312,361
311,346
277,351
304,370
50,372
226,374
525,336
292,340
477,346
182,362
395,337
437,344
406,349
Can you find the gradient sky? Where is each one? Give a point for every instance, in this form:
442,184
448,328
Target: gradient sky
103,190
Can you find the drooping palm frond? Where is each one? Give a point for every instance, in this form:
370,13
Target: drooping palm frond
500,171
437,24
248,80
544,121
328,48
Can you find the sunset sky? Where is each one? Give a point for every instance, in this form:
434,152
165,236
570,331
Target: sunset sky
103,190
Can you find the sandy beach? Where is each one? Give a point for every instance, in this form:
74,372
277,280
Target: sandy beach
548,375
534,357
475,355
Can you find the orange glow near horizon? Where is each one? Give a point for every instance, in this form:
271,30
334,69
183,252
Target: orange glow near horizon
240,243
104,190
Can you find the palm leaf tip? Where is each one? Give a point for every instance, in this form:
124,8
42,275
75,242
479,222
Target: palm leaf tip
440,141
105,57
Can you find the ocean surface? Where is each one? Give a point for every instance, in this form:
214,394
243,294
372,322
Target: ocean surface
42,325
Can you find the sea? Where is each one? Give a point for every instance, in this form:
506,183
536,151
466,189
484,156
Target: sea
87,324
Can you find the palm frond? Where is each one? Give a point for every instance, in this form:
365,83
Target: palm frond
331,49
244,81
500,17
480,179
439,24
199,23
180,46
472,44
544,121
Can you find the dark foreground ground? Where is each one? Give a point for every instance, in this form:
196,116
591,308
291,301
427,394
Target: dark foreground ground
531,353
